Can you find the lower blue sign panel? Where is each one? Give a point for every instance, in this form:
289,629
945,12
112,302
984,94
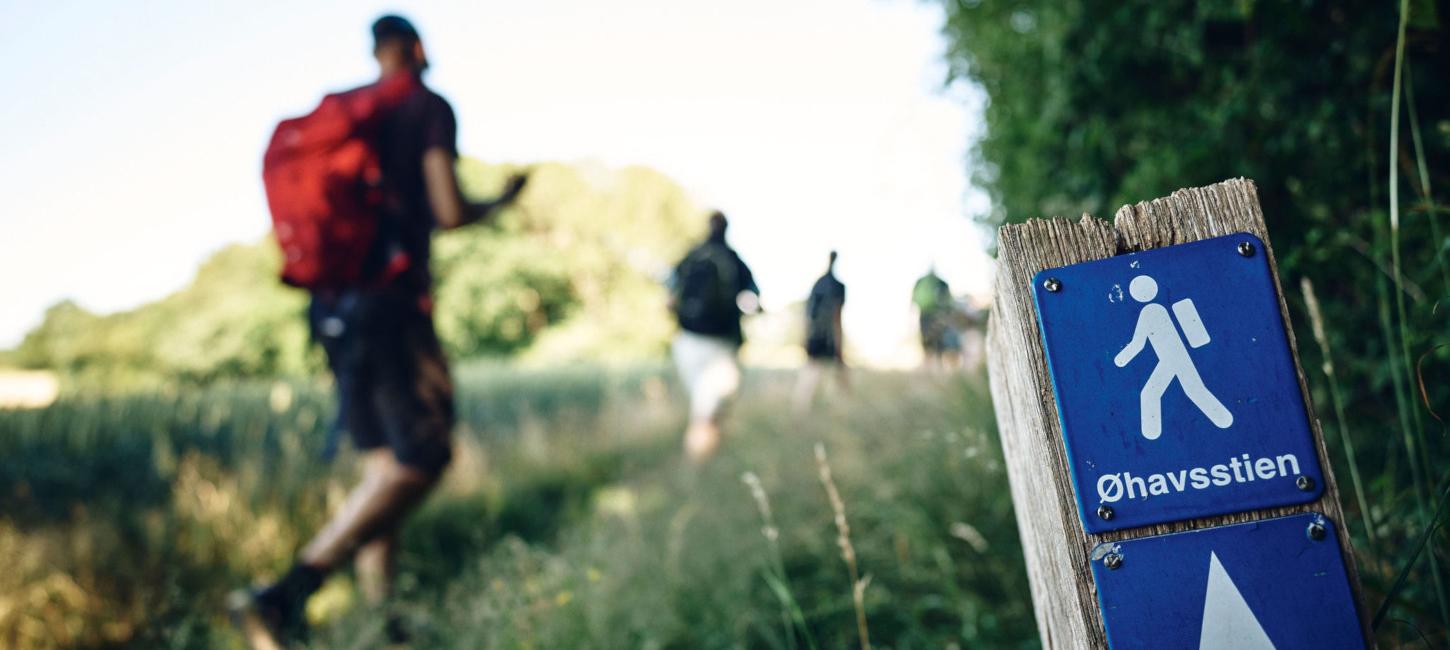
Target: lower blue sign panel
1277,584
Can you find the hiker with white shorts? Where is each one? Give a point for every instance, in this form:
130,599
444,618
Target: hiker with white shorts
710,290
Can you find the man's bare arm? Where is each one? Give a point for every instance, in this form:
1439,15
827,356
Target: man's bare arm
450,209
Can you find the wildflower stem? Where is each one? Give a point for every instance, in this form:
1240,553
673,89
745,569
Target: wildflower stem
843,539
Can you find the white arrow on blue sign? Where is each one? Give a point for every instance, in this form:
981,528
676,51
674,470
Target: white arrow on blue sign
1175,384
1268,585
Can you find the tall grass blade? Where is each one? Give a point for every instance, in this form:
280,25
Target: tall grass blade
792,609
1403,405
1399,582
1427,193
791,614
1316,321
1420,381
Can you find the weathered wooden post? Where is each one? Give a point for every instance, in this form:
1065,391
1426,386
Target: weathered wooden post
1107,478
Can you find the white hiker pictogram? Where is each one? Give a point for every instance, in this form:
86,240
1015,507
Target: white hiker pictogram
1155,326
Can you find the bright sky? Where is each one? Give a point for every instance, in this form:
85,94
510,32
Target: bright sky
133,133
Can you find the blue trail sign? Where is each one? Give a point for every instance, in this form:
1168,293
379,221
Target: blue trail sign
1175,384
1277,584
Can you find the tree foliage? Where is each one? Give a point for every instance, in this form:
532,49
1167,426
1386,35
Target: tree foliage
1094,104
570,271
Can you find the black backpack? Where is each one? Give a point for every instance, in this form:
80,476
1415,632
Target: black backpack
821,310
706,285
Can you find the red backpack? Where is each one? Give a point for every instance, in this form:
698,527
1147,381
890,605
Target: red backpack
325,186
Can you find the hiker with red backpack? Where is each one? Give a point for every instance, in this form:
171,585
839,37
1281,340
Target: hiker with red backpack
356,189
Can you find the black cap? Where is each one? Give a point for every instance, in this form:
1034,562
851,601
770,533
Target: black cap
392,27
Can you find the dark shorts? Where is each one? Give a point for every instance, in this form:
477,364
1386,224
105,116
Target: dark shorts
392,379
935,333
822,349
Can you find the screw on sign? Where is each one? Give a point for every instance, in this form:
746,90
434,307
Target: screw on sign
1315,531
1113,561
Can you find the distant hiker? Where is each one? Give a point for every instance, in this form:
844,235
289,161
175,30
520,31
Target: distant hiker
709,289
825,339
356,189
935,313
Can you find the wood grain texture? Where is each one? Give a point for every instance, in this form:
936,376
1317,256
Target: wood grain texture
1055,545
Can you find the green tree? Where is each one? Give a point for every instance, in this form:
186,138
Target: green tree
57,341
570,272
231,321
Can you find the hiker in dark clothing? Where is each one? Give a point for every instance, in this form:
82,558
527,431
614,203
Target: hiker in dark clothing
709,290
394,391
825,338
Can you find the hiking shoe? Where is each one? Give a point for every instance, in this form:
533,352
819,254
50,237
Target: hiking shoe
395,632
265,623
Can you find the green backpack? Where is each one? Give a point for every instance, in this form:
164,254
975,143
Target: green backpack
930,294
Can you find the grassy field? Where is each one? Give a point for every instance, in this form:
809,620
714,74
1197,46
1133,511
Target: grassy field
567,520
